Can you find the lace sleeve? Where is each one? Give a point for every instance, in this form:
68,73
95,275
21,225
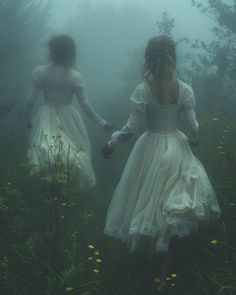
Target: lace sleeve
79,85
192,124
37,75
133,126
87,108
35,91
188,99
188,106
139,98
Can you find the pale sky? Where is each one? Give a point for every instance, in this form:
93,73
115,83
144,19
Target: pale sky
189,20
109,44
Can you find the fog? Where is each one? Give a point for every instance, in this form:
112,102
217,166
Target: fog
110,38
60,164
189,20
110,33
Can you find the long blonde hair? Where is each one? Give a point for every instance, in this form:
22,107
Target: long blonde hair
160,63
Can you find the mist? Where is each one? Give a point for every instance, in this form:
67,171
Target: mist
111,37
52,225
117,29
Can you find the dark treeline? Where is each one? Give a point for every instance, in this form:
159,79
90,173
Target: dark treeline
23,29
216,67
23,26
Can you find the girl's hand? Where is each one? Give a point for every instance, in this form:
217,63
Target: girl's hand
107,151
108,126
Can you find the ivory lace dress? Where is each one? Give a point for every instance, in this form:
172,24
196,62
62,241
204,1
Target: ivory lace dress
164,190
58,129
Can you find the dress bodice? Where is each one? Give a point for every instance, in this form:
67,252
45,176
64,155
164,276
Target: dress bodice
159,118
58,83
162,118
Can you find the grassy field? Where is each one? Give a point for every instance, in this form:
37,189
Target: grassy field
52,243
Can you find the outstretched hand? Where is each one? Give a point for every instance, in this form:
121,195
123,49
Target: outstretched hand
108,126
107,151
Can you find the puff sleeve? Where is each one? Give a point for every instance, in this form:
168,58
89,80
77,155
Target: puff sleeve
78,81
133,125
139,99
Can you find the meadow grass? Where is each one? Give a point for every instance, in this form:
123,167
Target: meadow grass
52,242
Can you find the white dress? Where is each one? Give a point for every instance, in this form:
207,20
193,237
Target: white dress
164,190
58,132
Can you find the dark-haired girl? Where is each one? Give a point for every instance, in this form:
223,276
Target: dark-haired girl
164,190
58,129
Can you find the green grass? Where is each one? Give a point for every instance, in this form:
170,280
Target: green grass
45,236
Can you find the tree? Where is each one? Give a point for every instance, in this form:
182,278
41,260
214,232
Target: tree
23,25
215,70
165,24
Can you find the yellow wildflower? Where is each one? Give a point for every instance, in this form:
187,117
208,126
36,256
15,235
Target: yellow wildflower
173,275
69,289
168,278
214,242
90,258
91,247
96,270
157,280
61,177
96,253
98,260
4,263
47,179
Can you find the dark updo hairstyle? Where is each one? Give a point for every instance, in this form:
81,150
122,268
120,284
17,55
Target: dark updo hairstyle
160,63
62,50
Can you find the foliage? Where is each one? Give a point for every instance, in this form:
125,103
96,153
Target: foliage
215,68
41,239
165,24
51,240
23,25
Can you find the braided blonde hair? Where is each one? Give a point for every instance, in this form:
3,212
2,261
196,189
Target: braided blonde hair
160,63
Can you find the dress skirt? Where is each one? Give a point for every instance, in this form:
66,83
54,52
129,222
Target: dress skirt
164,191
59,138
